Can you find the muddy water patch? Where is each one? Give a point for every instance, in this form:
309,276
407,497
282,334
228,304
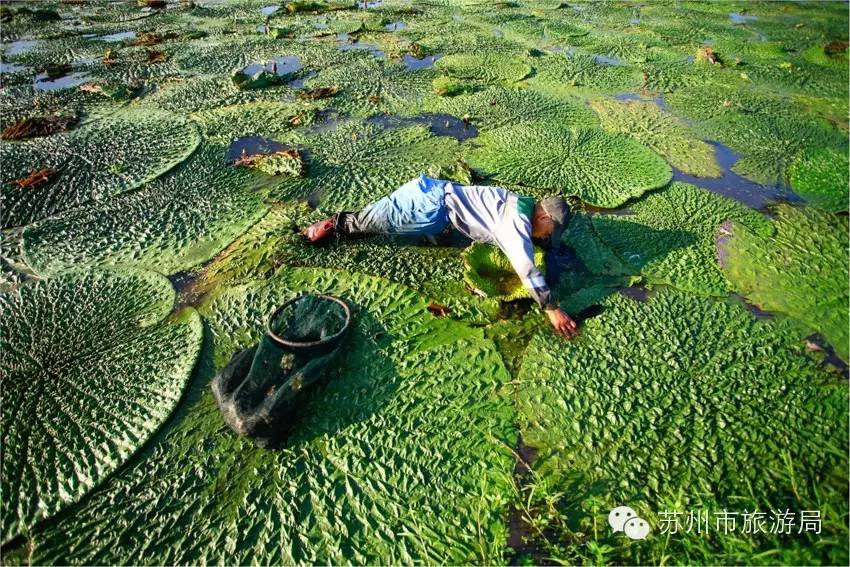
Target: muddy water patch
43,82
252,145
734,186
395,26
20,46
348,43
269,10
280,66
438,124
414,64
607,60
116,37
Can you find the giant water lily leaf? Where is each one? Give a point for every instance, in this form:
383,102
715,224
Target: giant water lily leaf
489,272
98,160
801,269
359,162
408,430
496,106
603,169
767,131
370,86
226,123
170,225
563,72
659,405
86,381
821,177
489,68
662,133
668,237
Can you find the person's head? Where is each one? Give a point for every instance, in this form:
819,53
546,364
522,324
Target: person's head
550,217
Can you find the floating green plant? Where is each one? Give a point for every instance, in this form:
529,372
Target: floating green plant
668,237
410,427
86,382
602,169
147,143
820,176
801,269
658,405
489,272
661,132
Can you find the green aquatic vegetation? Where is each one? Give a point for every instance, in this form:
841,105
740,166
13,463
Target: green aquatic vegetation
85,383
801,269
820,176
490,68
355,163
496,106
370,86
145,144
652,405
169,225
196,94
409,427
668,72
450,86
560,72
274,243
660,132
489,273
767,131
668,237
265,118
602,169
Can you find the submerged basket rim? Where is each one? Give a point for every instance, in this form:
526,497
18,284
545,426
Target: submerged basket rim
300,344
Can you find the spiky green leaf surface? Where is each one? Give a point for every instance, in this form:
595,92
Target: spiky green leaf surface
660,132
370,86
657,405
768,132
356,163
490,68
170,225
800,270
85,383
409,430
489,272
602,169
98,160
821,177
669,237
562,71
226,123
272,243
495,107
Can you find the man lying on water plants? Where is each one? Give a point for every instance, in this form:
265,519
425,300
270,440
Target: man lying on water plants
428,207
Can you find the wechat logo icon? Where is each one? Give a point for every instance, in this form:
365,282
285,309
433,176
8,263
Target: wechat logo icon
624,519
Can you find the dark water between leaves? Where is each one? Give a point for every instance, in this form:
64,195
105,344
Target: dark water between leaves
729,184
252,145
280,66
348,43
732,185
426,62
44,83
438,124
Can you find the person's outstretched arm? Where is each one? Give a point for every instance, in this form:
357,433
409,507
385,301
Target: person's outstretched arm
517,246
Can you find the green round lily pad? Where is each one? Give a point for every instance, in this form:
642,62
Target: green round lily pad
92,365
602,169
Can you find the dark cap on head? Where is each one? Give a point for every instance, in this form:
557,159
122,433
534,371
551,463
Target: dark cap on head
559,210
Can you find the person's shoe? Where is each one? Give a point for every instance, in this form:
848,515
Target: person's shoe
320,230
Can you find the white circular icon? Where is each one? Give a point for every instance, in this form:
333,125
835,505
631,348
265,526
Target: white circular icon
636,528
619,516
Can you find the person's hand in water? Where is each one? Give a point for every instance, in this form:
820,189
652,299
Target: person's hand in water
562,323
